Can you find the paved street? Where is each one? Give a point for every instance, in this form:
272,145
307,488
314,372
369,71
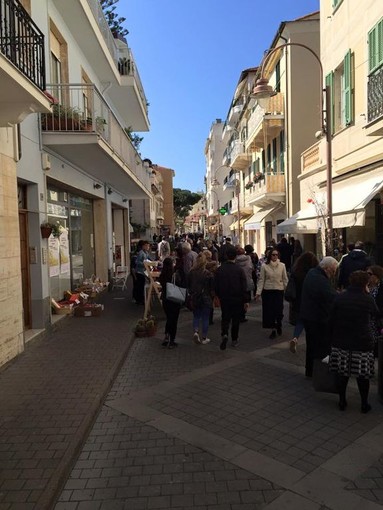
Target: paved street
189,428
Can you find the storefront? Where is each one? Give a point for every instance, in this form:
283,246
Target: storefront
71,252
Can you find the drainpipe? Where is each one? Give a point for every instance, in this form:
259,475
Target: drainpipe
286,137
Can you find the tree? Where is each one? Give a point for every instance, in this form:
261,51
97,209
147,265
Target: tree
114,21
183,201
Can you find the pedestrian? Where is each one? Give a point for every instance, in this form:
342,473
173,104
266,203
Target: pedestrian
142,256
201,288
230,287
211,265
317,298
271,285
352,339
285,253
298,273
375,287
171,273
163,249
189,256
133,260
222,257
357,259
249,250
244,261
297,250
213,249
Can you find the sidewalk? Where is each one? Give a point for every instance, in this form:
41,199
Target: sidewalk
192,427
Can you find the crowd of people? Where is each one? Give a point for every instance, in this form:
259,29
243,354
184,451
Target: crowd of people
339,305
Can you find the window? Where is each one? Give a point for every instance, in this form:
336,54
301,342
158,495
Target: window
278,76
282,152
340,82
375,47
274,168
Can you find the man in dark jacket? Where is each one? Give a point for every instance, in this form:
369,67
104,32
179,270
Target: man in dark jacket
317,298
285,253
230,287
356,260
222,257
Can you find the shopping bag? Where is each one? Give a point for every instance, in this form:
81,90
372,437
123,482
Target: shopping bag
175,293
324,381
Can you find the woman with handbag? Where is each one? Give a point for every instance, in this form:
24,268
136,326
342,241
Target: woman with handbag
298,273
201,289
171,273
352,342
271,285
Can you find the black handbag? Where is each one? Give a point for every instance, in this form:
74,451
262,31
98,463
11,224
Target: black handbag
324,381
291,290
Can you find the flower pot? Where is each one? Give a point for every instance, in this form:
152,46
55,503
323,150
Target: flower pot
45,232
140,334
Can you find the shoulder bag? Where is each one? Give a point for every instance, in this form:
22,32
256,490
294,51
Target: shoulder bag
174,293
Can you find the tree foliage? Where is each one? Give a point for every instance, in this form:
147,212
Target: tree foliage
183,201
115,21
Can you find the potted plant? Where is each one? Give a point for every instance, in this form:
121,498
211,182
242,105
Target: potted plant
62,118
145,327
248,185
48,228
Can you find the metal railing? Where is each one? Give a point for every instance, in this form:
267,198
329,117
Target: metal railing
125,65
81,109
375,96
22,42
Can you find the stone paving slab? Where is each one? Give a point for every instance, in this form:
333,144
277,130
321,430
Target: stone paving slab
49,397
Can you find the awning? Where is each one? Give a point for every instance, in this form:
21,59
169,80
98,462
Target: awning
349,198
234,225
254,222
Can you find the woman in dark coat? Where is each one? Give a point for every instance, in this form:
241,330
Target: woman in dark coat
298,273
352,342
171,309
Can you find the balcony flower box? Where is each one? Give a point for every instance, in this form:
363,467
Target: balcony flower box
249,185
258,177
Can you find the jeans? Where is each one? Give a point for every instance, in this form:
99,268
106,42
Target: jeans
201,314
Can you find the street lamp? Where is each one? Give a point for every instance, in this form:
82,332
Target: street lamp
262,90
218,221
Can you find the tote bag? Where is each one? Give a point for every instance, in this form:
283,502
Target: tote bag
291,290
175,293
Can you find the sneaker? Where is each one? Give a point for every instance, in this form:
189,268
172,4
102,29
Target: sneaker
205,341
235,343
172,345
273,335
196,338
224,342
293,345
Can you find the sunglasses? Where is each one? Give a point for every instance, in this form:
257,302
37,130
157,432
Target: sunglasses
370,274
274,254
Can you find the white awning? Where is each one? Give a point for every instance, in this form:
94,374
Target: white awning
254,222
349,198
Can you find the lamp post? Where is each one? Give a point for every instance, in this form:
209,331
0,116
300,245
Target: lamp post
218,222
216,183
262,89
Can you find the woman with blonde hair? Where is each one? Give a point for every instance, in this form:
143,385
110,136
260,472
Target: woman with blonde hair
200,287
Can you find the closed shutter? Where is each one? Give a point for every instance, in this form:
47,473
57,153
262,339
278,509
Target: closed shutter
375,47
330,83
348,89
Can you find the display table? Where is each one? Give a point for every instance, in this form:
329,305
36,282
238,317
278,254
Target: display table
153,288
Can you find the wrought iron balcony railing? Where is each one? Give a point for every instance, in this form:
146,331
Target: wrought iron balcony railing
22,42
375,96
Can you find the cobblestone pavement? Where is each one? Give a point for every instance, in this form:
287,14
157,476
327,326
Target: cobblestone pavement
199,428
88,423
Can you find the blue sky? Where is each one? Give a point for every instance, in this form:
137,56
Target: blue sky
190,54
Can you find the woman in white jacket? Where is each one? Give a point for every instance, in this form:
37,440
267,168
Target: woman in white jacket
271,286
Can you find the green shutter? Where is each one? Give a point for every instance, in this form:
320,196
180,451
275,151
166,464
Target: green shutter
375,46
348,88
330,83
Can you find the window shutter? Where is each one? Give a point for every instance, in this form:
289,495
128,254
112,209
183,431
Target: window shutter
348,88
375,46
330,83
371,49
380,42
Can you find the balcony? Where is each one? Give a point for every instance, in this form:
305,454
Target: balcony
111,59
84,130
22,65
375,104
234,113
268,191
312,159
265,124
240,159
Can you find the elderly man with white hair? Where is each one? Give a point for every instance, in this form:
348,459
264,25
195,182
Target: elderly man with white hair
317,297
